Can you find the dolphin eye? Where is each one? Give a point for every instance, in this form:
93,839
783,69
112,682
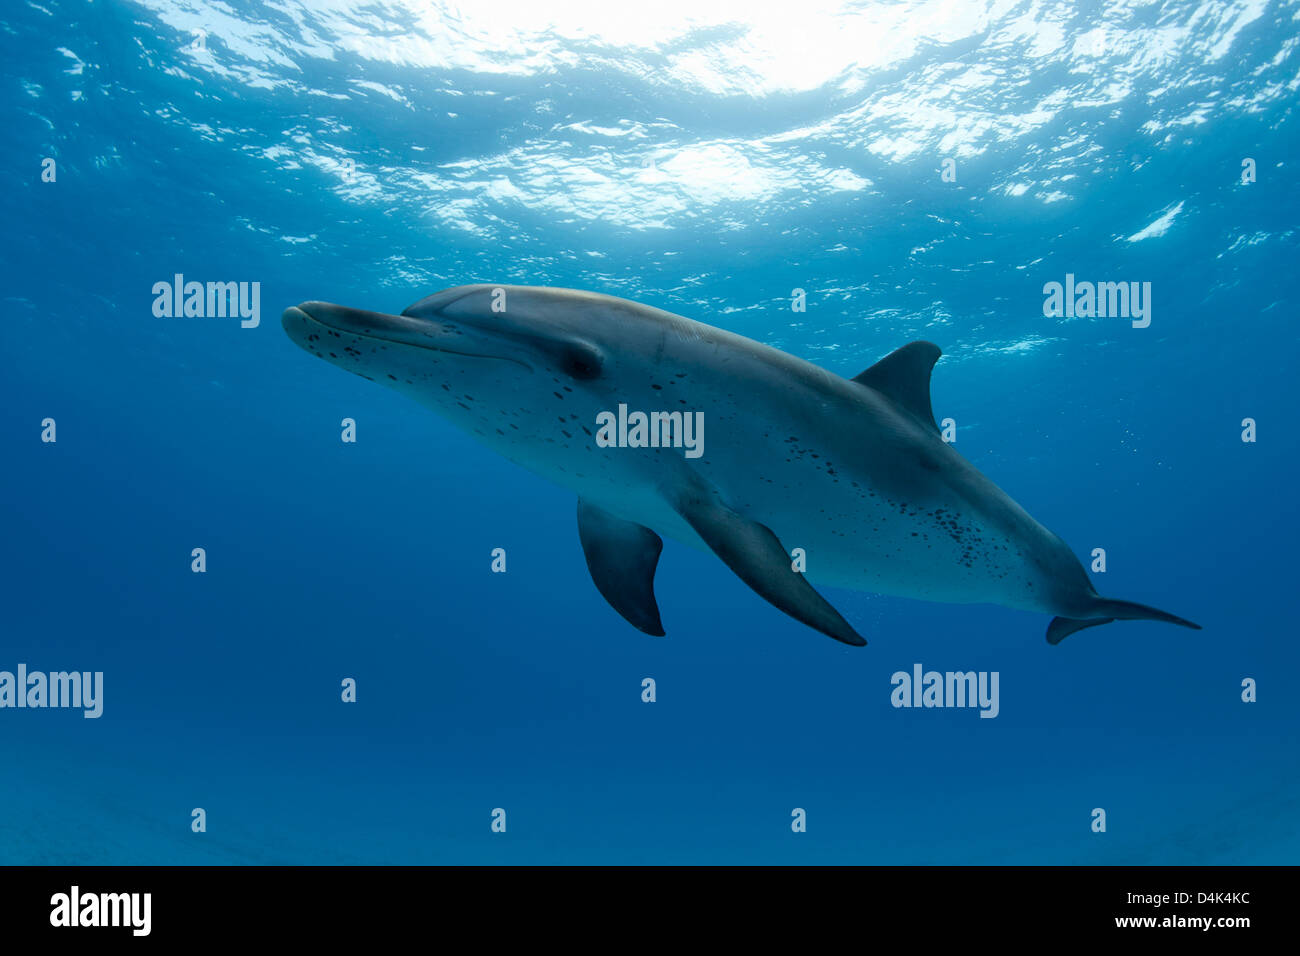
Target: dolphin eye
583,364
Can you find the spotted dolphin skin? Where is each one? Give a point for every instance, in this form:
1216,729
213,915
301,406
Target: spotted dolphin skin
788,455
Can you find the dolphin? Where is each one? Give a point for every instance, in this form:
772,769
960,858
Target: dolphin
785,455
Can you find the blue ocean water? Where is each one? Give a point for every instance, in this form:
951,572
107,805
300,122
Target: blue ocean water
704,159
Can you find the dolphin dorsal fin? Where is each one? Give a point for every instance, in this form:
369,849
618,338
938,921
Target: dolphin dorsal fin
904,376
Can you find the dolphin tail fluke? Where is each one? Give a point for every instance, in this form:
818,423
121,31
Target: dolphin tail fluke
1132,611
1109,610
1063,627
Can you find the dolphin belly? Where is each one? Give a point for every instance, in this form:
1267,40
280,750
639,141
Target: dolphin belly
859,538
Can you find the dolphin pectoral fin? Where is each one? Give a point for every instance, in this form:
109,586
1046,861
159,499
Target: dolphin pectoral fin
1063,627
753,552
622,557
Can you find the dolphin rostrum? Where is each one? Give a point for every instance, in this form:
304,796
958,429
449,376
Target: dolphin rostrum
853,472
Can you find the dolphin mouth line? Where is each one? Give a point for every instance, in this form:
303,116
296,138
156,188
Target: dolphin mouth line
379,338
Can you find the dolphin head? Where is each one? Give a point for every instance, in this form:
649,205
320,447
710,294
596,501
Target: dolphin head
504,337
515,365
